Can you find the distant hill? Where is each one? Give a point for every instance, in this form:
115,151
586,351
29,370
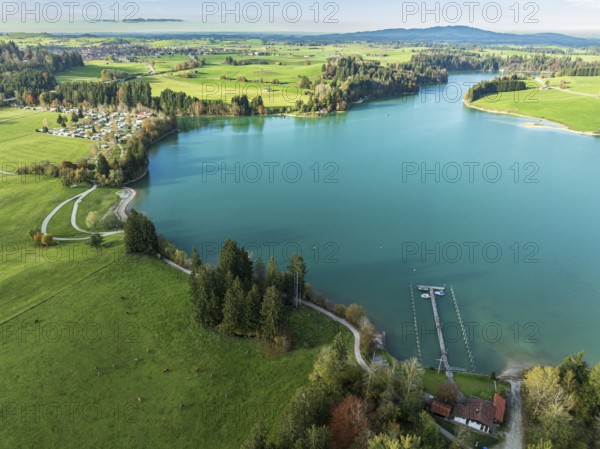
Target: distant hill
461,34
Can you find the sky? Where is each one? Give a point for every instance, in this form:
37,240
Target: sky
576,17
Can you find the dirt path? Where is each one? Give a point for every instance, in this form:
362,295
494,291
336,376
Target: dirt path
514,434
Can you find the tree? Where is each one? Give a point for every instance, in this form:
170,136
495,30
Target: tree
102,168
349,421
316,438
297,266
260,275
447,393
544,391
96,240
60,119
74,117
252,310
270,313
305,82
204,294
140,234
235,261
233,308
273,273
196,261
92,220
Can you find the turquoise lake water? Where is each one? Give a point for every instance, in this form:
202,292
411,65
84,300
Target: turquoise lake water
417,189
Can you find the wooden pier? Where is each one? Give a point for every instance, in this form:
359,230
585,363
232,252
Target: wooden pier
438,325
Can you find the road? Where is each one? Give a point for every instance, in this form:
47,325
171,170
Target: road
514,435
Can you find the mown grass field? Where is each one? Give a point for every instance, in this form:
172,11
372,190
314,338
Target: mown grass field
577,112
21,144
91,70
583,84
69,313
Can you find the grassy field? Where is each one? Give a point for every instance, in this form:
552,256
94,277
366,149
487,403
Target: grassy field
576,112
21,144
583,84
103,201
91,70
69,313
469,384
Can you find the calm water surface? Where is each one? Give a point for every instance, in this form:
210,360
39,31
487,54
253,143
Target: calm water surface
508,217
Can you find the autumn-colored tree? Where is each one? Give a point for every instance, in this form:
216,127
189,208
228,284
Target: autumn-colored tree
447,393
349,422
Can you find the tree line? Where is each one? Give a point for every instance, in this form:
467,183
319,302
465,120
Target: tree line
28,74
562,405
505,84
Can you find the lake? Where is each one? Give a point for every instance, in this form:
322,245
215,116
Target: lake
417,189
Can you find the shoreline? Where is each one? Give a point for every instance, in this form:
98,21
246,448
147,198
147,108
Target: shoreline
559,126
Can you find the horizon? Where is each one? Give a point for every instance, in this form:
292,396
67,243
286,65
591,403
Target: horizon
302,17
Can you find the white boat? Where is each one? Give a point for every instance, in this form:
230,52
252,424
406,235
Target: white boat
440,293
426,296
423,289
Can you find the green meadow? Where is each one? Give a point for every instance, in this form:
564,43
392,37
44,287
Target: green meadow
576,112
21,144
91,70
582,84
100,349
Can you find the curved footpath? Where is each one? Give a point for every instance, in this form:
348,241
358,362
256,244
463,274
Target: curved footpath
79,198
359,358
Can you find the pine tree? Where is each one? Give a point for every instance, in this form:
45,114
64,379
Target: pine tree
252,310
233,308
260,275
196,261
208,303
270,313
140,234
103,169
273,274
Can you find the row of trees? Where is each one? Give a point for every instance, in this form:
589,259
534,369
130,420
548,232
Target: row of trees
454,60
563,404
505,84
543,62
128,94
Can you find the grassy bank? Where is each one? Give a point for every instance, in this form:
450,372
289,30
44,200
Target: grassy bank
576,112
